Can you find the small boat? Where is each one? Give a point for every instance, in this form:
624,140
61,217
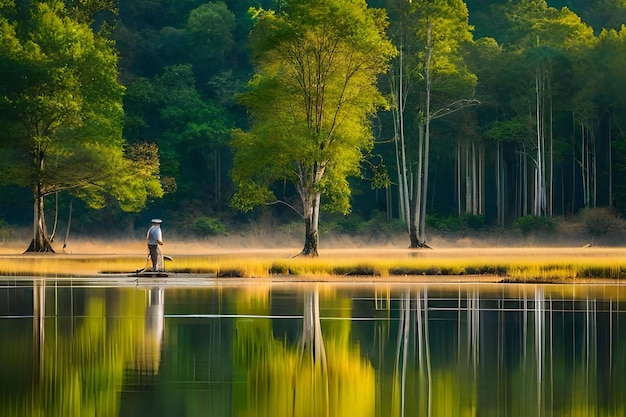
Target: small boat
150,274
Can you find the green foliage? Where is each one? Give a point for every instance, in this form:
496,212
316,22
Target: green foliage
61,110
210,27
506,130
315,87
455,223
530,224
209,226
350,224
188,128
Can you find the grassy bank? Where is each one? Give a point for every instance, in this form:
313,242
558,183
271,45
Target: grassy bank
506,264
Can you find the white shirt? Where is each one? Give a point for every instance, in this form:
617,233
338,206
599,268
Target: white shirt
154,235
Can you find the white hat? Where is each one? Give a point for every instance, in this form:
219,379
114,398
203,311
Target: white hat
157,221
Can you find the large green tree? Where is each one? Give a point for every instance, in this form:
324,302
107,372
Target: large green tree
311,100
61,113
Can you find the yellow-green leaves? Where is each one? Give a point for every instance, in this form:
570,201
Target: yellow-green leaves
61,109
312,95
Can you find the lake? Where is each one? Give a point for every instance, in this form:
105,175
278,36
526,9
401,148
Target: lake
263,348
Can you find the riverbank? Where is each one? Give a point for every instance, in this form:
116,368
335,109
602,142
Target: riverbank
380,263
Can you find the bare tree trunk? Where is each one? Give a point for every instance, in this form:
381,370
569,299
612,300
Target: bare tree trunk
499,186
399,99
218,175
573,180
389,203
468,182
415,210
415,236
56,216
402,102
474,180
594,171
311,221
40,242
550,204
539,177
610,161
422,224
481,181
458,180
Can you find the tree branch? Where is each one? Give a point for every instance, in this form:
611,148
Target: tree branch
454,107
288,205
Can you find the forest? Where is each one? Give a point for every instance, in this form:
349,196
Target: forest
455,115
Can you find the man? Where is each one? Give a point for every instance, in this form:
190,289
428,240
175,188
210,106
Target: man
154,239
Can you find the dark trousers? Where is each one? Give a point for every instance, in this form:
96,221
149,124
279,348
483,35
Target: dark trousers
155,255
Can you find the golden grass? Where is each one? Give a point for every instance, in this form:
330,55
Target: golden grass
509,264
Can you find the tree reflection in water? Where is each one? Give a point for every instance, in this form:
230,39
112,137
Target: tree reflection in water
321,376
313,350
81,342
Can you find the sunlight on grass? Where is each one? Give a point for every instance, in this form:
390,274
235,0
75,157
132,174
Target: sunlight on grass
510,265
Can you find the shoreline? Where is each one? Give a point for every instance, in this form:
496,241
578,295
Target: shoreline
375,264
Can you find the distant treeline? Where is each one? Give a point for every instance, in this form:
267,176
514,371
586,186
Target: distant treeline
527,112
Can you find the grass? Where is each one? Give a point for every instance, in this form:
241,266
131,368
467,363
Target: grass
508,264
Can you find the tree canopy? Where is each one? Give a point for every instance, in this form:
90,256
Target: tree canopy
311,100
99,83
61,114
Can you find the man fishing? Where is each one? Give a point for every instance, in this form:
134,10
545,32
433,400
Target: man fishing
154,239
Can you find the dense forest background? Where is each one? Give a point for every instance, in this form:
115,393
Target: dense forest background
542,138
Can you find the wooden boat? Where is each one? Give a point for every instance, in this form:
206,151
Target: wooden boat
150,274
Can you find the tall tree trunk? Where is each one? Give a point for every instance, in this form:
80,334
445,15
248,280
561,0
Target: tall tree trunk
417,196
468,179
481,180
40,242
458,180
399,98
474,180
311,221
417,232
610,162
539,176
551,180
429,54
499,186
217,184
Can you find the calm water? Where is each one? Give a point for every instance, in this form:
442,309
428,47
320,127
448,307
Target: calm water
264,349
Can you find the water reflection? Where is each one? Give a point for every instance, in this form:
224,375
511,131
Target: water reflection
312,350
149,346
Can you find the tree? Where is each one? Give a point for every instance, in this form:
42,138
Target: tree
310,100
61,114
436,76
546,44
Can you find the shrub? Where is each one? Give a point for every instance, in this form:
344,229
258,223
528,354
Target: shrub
378,224
528,224
455,223
209,226
444,223
349,224
473,221
600,221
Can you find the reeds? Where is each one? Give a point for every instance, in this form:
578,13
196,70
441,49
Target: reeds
507,265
